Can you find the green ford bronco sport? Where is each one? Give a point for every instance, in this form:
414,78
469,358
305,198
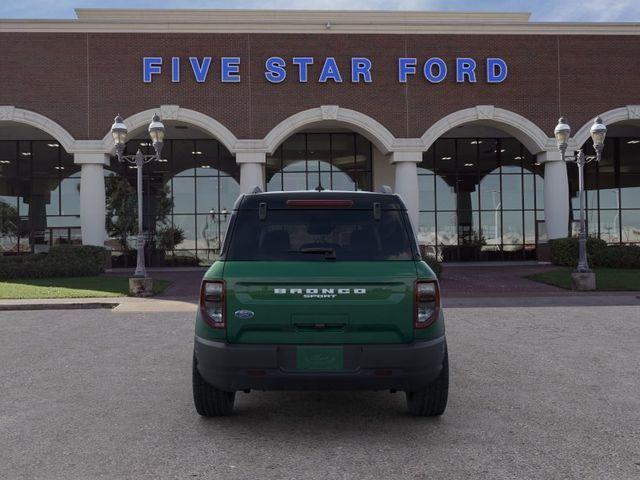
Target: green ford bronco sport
320,291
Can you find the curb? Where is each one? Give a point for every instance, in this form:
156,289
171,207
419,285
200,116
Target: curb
59,306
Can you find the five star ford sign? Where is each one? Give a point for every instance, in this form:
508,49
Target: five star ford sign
361,69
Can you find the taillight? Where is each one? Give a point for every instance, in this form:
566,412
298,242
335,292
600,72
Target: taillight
426,303
212,294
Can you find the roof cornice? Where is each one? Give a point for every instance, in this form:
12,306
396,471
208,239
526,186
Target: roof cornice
317,22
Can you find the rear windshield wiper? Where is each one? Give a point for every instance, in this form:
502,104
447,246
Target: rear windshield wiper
329,253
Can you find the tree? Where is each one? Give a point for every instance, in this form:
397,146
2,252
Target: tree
8,220
122,208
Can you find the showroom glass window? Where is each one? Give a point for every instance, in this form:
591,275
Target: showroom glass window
39,196
480,199
334,161
201,180
612,188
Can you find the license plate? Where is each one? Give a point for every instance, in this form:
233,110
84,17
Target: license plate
319,358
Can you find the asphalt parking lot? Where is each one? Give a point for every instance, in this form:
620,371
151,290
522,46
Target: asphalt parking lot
537,392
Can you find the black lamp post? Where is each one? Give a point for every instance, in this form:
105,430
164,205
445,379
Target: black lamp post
156,132
598,132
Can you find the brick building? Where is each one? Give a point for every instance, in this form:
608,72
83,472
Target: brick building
454,111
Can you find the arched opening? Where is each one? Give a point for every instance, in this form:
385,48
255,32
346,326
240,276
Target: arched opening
481,196
612,187
39,190
188,197
331,159
328,147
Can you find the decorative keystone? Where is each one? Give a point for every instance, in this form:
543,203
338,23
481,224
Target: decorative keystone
6,112
169,112
329,112
485,112
634,112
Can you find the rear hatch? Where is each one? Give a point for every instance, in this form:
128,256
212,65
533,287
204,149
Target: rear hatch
319,268
313,302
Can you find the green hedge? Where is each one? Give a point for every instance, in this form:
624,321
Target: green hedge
565,252
618,256
62,261
432,261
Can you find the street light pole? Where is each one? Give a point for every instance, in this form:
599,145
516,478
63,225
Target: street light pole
156,132
598,132
583,261
141,270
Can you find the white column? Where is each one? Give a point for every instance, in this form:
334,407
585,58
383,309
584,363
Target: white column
406,182
556,194
92,197
251,170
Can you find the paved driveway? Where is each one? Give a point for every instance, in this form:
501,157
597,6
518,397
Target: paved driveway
547,392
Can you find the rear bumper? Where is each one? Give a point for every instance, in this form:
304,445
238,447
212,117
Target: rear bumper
232,367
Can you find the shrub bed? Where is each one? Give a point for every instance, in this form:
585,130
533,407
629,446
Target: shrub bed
618,256
61,261
565,252
434,264
431,260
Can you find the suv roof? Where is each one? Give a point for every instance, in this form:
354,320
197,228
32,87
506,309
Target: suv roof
361,200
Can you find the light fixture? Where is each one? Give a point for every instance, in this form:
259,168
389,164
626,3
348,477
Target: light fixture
25,154
156,132
447,158
468,164
205,166
633,142
196,152
476,142
5,161
503,150
562,133
53,145
119,133
58,168
598,133
517,158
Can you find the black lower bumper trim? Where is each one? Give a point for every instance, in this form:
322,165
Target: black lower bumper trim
232,367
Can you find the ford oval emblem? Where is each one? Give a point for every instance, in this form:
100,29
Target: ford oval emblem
245,314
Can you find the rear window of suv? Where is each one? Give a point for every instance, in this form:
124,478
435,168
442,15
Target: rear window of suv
319,235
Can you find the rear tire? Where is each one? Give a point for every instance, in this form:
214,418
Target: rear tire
208,400
431,402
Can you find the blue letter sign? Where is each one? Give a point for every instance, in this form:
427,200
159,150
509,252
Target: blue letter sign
200,70
434,69
330,71
150,66
496,70
275,69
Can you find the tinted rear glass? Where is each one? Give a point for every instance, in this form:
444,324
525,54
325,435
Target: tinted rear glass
319,235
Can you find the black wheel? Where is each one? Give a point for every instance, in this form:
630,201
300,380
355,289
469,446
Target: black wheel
431,402
209,401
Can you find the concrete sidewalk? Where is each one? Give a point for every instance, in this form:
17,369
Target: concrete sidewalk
117,304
